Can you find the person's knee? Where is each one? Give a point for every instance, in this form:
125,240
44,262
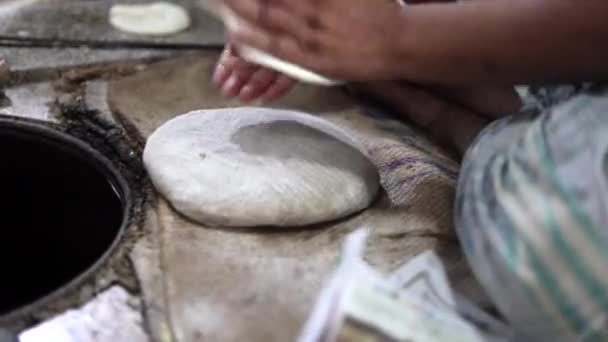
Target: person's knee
534,230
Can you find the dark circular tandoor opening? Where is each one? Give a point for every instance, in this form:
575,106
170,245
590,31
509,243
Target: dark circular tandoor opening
62,210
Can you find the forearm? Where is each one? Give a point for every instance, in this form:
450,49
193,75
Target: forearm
505,41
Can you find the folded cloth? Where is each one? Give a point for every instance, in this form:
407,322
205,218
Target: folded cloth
532,214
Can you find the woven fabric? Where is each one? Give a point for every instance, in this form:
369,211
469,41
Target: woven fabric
239,274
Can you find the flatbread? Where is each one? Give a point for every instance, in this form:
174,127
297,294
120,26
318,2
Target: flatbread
262,58
259,167
155,19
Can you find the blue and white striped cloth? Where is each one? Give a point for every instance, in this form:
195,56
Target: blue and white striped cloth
532,217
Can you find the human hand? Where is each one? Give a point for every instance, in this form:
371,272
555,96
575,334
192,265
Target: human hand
238,78
453,115
352,40
490,101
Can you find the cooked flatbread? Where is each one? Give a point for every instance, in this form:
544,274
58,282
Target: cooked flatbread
156,19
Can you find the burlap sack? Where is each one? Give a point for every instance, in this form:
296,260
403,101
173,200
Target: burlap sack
205,284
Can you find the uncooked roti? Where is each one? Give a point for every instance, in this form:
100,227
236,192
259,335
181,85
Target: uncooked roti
156,18
256,56
244,167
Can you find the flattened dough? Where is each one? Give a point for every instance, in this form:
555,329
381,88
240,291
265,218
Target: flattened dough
258,167
155,19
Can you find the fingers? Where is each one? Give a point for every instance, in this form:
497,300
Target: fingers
232,73
450,123
278,88
225,66
282,28
490,101
261,82
248,82
278,45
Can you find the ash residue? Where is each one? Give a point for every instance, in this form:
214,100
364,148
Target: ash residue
111,140
125,152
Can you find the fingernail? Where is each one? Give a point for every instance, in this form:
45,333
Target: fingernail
246,93
219,74
228,88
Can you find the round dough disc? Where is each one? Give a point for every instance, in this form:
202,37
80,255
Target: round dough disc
155,19
258,167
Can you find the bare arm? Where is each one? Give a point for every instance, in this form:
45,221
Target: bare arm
506,41
476,41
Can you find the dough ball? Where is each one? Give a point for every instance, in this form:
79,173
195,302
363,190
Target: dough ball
259,166
155,19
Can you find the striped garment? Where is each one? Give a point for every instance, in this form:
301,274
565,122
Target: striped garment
532,214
